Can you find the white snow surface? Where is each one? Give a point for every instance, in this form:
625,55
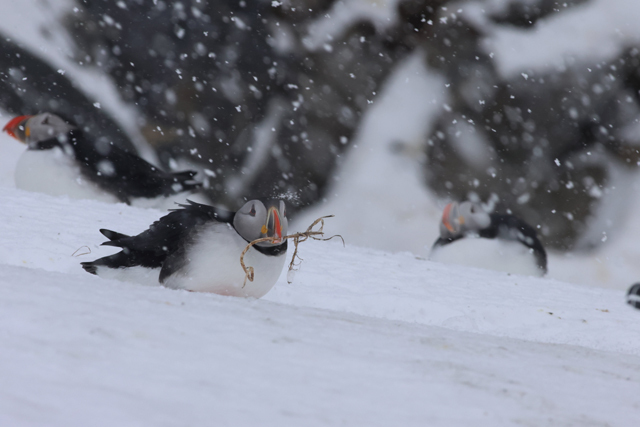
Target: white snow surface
362,337
597,30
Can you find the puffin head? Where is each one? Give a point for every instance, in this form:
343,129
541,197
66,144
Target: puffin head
256,220
466,217
34,129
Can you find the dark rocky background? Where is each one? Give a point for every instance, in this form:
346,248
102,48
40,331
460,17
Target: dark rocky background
235,87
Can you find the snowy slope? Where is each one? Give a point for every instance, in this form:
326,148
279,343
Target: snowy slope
80,351
362,337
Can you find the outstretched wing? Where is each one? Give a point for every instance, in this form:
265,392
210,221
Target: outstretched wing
165,237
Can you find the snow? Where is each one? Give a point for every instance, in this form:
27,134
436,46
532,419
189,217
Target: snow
492,254
333,24
597,30
381,201
361,337
379,197
369,334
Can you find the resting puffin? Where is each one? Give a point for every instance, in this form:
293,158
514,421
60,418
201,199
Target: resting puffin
198,248
61,161
471,236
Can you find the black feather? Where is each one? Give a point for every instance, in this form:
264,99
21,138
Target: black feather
511,227
633,296
164,243
508,227
89,267
119,172
113,236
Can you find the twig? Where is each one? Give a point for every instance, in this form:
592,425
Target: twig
297,238
83,253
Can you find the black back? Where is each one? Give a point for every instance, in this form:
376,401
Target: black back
120,172
508,227
164,243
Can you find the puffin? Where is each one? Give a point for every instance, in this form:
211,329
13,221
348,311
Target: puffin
471,236
60,160
633,296
197,247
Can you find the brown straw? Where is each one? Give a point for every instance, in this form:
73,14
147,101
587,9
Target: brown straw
297,238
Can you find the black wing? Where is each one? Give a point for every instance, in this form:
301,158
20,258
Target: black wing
125,174
503,226
165,237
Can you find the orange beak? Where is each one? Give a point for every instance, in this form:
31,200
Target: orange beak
277,225
13,124
445,217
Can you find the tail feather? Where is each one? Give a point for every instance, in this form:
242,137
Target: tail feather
114,237
90,267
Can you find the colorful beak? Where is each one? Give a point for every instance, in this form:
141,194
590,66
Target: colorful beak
450,212
12,128
274,224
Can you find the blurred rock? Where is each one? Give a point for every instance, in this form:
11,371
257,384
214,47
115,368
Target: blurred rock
28,85
231,86
265,96
543,145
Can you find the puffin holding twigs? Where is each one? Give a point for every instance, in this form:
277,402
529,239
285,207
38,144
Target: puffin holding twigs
61,161
503,242
198,248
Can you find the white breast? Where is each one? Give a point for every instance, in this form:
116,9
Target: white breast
54,172
214,265
493,254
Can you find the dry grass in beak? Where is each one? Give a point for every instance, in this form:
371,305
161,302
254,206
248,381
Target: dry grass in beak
297,238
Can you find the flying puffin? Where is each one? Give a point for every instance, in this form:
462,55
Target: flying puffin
198,248
61,161
503,242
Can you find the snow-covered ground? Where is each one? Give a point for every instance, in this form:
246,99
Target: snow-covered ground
370,334
362,337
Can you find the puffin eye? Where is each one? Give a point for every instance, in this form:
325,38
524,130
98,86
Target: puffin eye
473,209
252,212
46,120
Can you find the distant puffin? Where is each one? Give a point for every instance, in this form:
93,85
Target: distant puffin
633,296
471,236
60,161
198,248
